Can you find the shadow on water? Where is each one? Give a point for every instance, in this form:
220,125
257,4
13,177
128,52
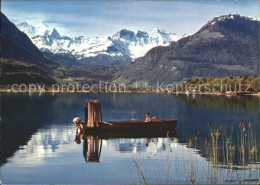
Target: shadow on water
92,143
219,110
17,122
23,115
220,147
228,146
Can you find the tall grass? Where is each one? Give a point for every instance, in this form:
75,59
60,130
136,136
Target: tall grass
231,157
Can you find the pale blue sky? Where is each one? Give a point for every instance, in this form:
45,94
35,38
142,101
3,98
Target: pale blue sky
103,18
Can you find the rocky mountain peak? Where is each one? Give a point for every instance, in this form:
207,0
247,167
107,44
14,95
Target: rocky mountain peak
125,34
23,24
226,24
125,45
42,29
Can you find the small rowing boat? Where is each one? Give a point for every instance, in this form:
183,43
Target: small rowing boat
134,125
93,114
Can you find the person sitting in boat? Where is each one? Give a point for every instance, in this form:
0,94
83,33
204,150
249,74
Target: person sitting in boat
78,124
148,118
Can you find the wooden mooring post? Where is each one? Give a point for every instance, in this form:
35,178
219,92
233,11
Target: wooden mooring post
94,111
93,145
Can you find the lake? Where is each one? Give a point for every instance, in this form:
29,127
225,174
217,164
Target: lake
39,143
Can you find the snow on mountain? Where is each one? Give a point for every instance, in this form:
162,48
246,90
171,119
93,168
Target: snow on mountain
231,16
41,29
26,28
123,45
136,44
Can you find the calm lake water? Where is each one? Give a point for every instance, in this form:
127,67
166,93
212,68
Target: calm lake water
37,143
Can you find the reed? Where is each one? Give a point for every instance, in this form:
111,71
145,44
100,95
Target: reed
232,157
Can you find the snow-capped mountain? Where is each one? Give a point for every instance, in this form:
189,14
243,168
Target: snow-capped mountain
125,45
225,46
41,29
230,17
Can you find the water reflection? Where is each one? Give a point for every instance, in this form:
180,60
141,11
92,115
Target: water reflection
223,102
54,147
22,116
37,136
92,144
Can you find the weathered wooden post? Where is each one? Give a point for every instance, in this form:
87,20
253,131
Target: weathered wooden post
93,113
93,149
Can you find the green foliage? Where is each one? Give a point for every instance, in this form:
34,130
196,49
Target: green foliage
233,83
233,51
17,72
85,74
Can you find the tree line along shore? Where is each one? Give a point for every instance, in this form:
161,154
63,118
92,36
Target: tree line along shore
242,85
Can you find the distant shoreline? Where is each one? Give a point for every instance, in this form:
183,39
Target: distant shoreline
136,91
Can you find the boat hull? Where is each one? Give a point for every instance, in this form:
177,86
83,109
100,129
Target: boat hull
108,134
134,125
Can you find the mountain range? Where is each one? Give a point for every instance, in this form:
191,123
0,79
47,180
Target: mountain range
123,46
21,61
228,45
